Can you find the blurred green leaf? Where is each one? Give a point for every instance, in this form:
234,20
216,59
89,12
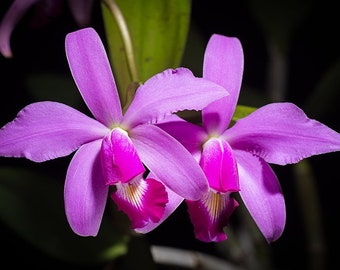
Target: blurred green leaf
158,31
32,205
242,111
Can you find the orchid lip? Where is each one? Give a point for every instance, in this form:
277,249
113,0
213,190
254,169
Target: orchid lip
143,200
211,214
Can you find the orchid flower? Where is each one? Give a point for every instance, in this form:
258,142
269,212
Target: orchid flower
114,149
235,158
81,11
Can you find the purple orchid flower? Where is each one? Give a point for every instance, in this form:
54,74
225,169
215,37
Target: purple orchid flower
235,157
81,11
114,149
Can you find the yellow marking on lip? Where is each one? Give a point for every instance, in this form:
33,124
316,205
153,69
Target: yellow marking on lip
133,192
214,203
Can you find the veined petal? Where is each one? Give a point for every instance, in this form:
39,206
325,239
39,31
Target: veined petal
223,64
92,73
142,200
169,161
85,191
171,91
281,133
81,11
120,160
11,18
261,193
174,201
47,130
219,165
210,215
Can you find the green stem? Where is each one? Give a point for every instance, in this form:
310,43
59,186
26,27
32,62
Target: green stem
311,213
118,16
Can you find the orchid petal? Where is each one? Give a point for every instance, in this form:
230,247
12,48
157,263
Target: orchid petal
85,191
210,215
174,201
92,73
281,133
11,18
120,160
142,200
261,193
219,165
223,64
81,11
47,130
169,161
168,92
188,134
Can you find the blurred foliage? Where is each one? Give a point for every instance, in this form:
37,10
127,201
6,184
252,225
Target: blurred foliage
37,213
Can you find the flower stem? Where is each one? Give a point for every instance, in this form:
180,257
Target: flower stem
311,214
118,16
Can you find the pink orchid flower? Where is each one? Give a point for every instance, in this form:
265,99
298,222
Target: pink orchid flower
235,157
114,149
81,11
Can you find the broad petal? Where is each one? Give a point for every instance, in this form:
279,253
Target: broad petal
223,64
120,160
171,91
219,165
281,133
9,21
142,200
47,130
81,11
169,161
261,193
92,73
85,191
210,215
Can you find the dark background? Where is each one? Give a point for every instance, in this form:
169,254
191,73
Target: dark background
314,50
